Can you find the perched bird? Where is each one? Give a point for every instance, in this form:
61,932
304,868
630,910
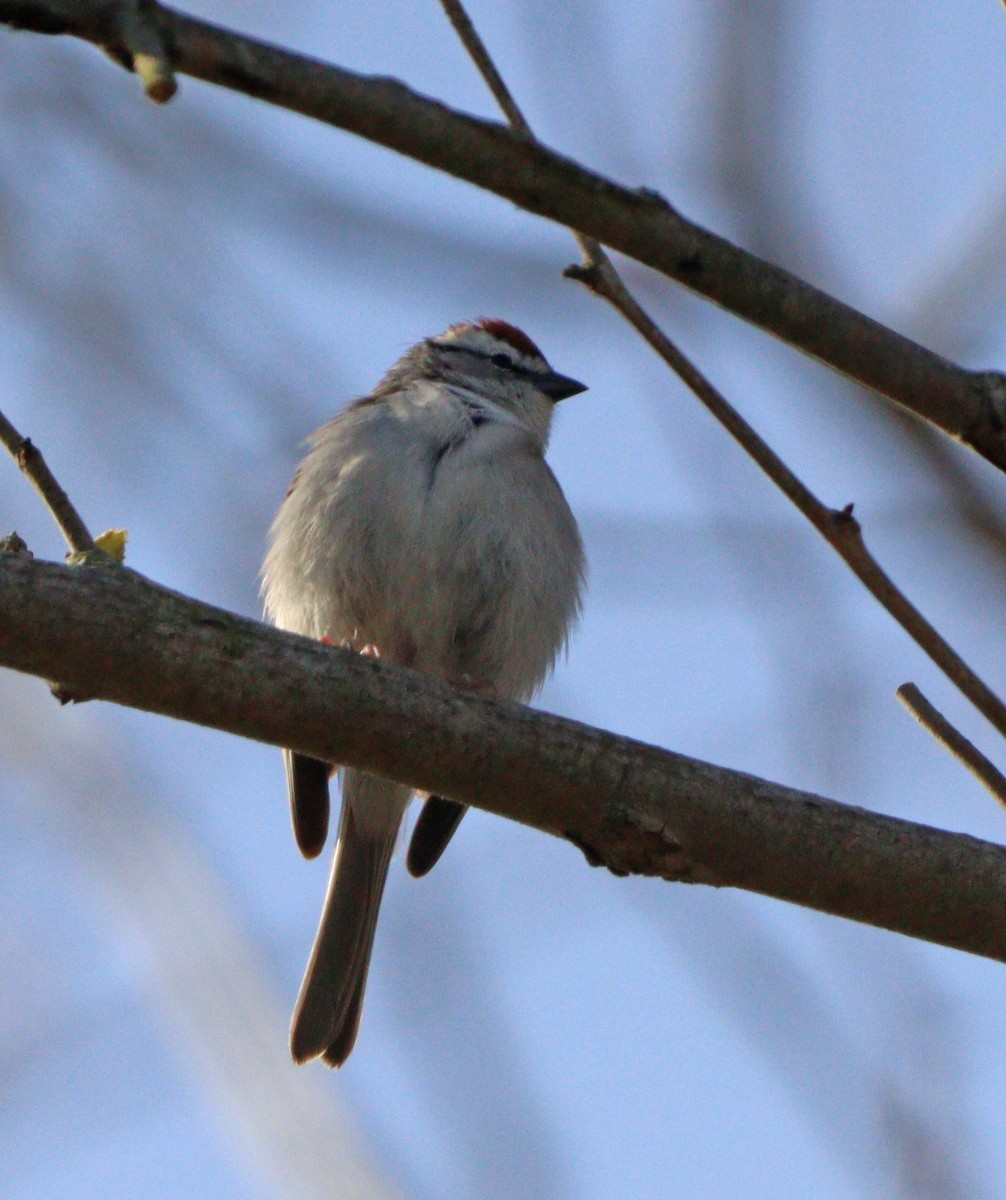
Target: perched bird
423,526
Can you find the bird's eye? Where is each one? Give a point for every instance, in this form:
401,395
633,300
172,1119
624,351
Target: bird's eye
503,361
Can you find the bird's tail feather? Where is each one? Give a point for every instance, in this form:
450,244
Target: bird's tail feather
327,1016
307,787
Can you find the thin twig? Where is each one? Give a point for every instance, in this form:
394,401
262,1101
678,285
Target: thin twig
951,739
29,458
482,59
840,529
593,252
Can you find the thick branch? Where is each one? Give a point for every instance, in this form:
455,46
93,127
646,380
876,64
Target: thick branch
105,632
970,406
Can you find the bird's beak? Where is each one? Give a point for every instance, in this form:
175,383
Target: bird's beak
560,387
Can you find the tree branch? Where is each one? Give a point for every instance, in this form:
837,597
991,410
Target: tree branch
107,633
952,740
29,458
840,529
970,406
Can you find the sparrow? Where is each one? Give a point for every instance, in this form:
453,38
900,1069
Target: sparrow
424,527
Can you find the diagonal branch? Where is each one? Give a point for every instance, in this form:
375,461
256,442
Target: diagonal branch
108,633
951,739
480,56
840,529
968,405
29,458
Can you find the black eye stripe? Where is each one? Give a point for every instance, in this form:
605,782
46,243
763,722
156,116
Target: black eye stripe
498,358
527,372
506,363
